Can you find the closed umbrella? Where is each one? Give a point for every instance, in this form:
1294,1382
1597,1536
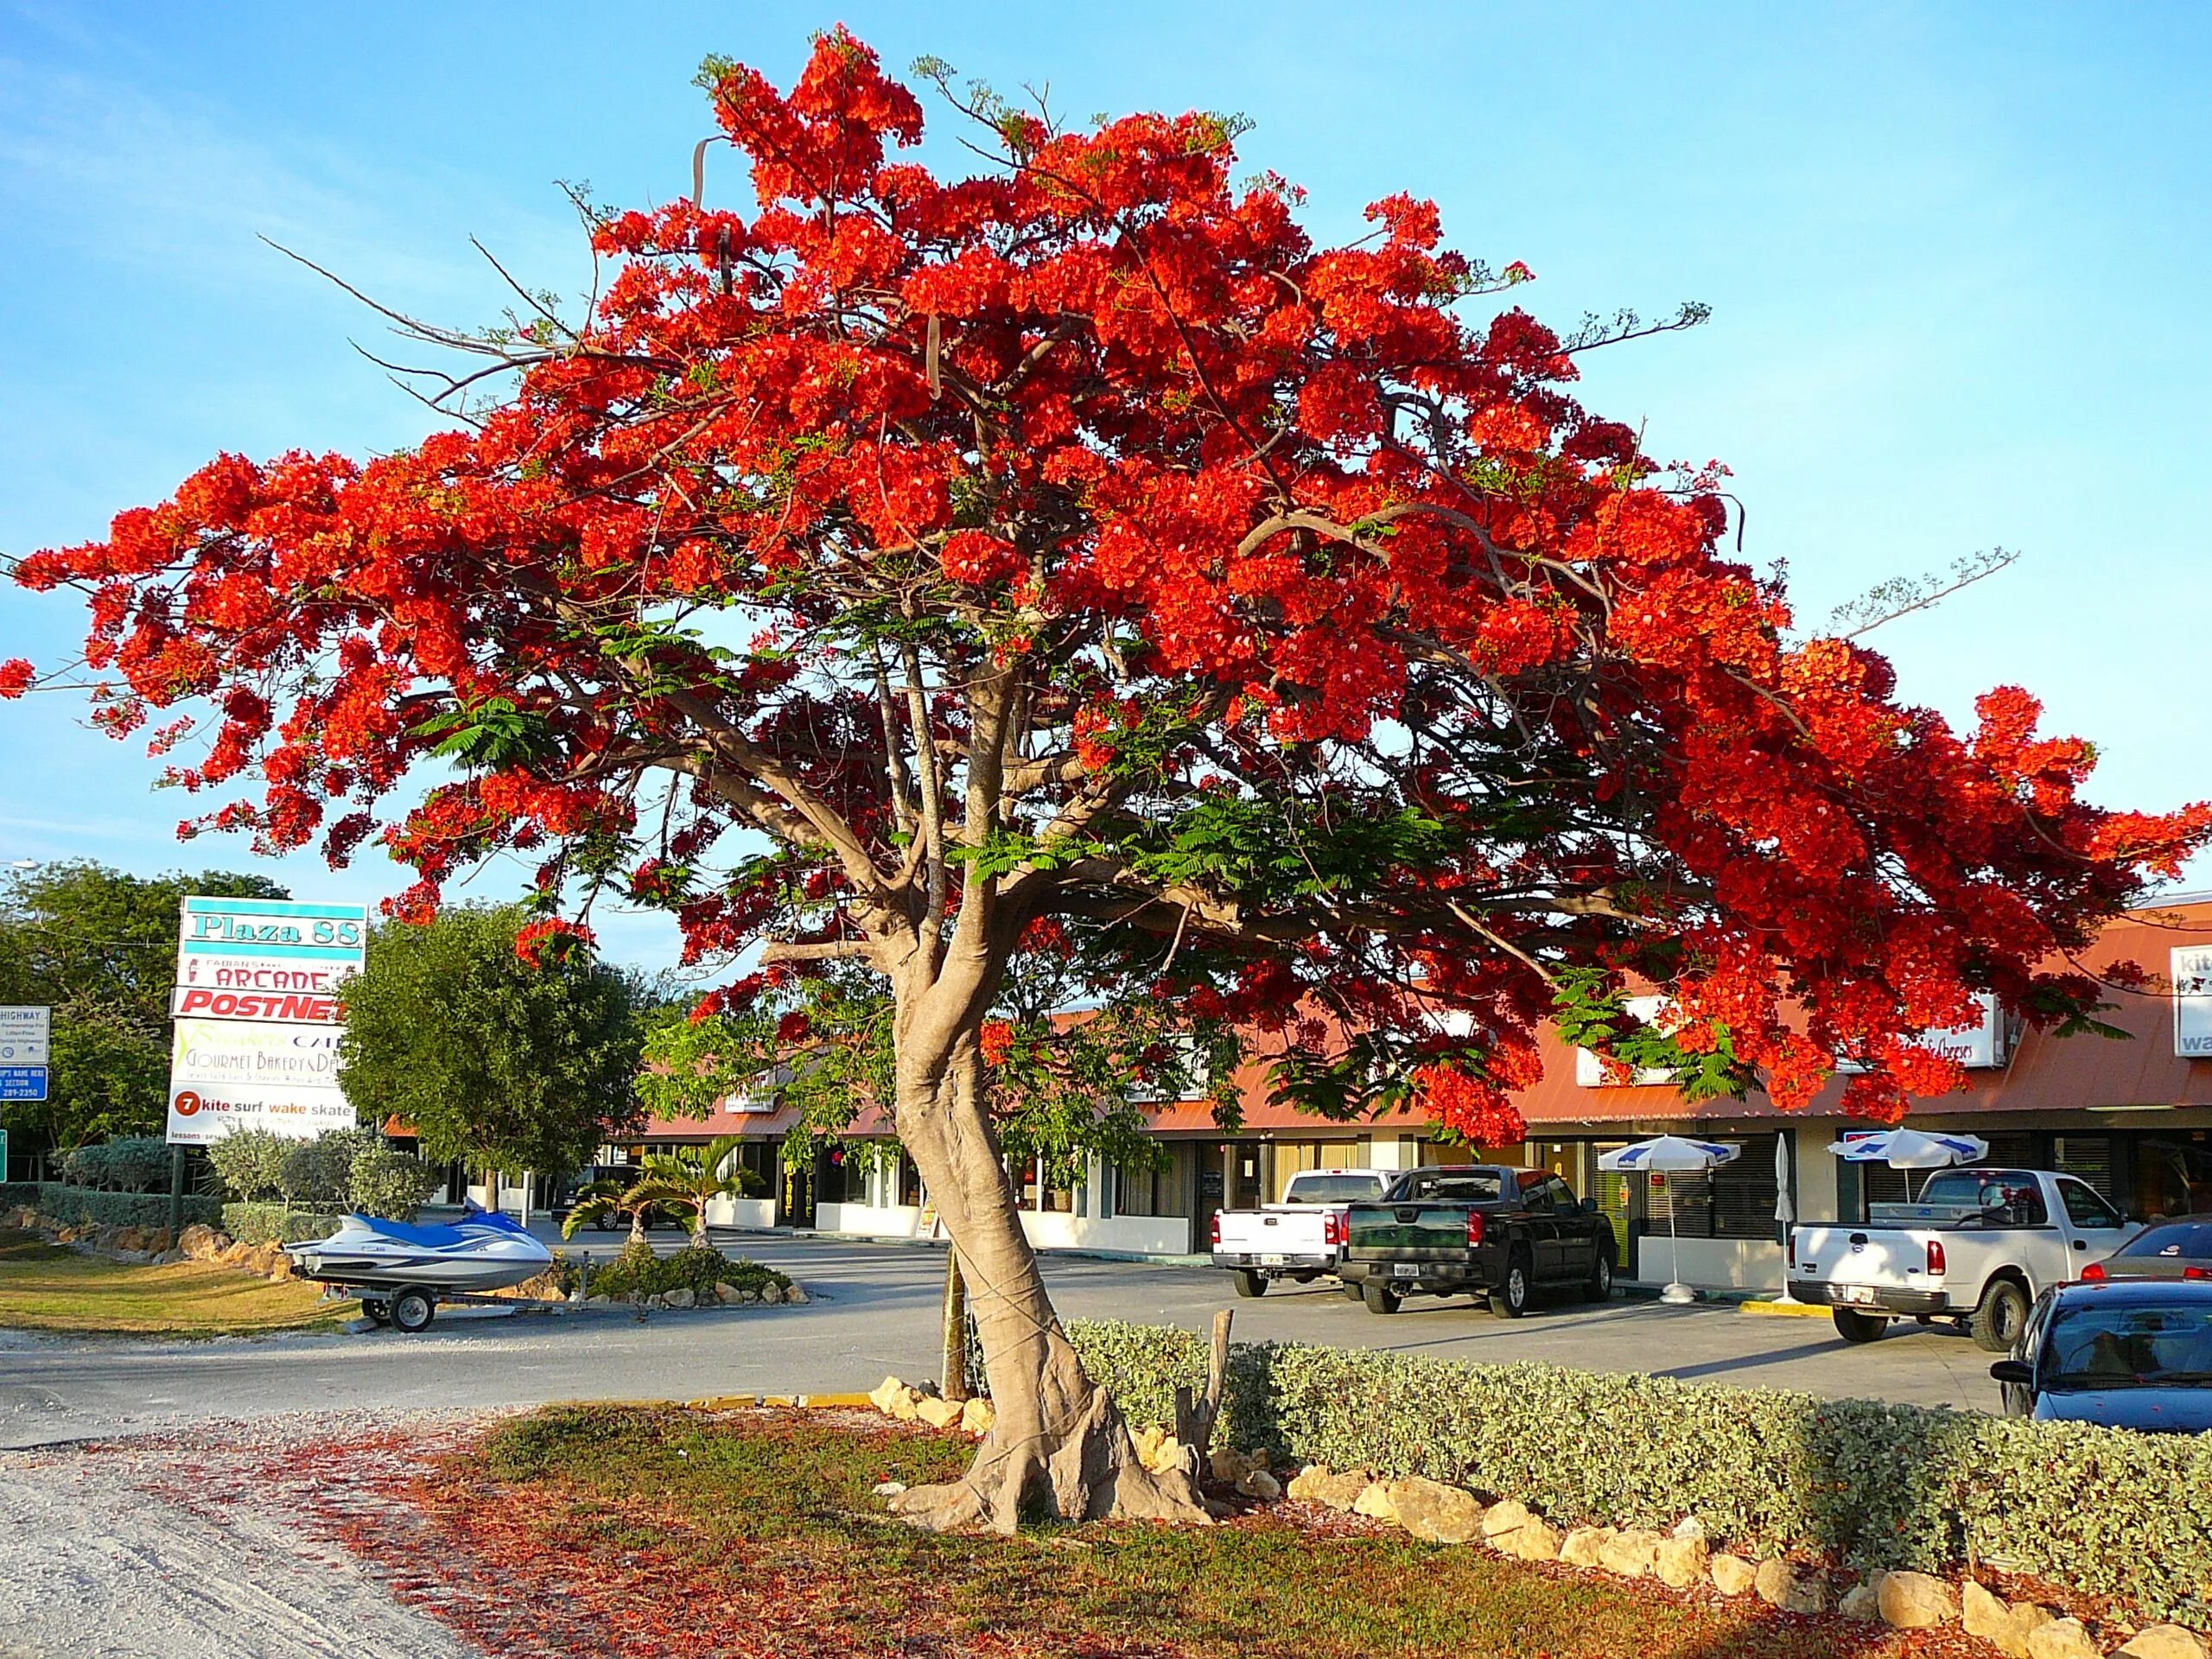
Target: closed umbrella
1785,1206
1911,1149
1671,1154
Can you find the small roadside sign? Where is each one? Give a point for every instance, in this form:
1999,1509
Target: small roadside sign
26,1031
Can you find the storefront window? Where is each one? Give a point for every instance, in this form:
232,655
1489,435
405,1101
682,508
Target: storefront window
1734,1200
2173,1173
1146,1190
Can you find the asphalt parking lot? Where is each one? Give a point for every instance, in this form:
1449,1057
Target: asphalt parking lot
875,1312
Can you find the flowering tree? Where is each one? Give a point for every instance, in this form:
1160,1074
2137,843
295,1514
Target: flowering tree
913,568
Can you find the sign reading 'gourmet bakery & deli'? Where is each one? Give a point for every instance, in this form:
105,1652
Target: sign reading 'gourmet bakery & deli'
257,1017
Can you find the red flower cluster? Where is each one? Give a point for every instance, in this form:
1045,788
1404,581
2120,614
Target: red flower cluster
1254,526
543,944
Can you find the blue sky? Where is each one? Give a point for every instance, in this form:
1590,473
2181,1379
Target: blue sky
1955,256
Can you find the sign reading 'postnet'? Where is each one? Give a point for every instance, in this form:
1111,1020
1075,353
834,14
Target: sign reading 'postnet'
257,1018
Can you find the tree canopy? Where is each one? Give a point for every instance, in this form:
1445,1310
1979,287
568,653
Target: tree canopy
490,1059
99,947
912,572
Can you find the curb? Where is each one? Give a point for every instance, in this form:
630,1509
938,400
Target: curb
1783,1310
734,1402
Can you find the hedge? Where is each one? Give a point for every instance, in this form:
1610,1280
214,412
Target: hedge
84,1206
2107,1510
275,1224
15,1195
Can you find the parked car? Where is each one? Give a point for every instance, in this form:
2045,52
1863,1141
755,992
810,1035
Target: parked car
2178,1247
1300,1238
1481,1229
2128,1353
1975,1249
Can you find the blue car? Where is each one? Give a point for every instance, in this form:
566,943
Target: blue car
2128,1353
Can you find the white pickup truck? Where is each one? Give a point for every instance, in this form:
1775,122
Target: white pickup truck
1975,1248
1300,1238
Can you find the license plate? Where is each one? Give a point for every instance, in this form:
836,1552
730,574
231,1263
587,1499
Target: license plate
1861,1294
1271,1261
1404,1270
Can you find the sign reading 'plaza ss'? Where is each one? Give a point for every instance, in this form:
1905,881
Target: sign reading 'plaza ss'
265,959
257,1017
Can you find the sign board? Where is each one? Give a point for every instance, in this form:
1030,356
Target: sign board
228,1075
4,1154
266,959
1979,1046
1590,1071
257,1017
2192,977
26,1033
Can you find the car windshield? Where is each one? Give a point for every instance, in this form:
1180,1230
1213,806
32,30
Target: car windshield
1333,1188
2095,1347
2190,1240
1456,1186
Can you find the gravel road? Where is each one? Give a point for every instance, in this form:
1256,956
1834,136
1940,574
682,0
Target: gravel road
213,1543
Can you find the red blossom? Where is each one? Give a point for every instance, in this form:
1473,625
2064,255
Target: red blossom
1236,508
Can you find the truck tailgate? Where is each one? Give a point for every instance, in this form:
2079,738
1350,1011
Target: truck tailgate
1287,1232
1893,1256
1406,1232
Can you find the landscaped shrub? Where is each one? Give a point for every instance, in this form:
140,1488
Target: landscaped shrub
84,1206
638,1272
251,1163
2107,1510
319,1174
137,1164
275,1224
18,1194
390,1183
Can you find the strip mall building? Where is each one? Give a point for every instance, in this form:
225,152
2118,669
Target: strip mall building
2132,1117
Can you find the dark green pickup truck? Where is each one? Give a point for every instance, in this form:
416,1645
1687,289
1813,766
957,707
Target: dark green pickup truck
1481,1229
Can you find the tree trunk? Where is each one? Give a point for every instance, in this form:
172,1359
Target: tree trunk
1059,1448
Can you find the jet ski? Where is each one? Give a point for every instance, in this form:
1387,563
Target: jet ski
382,1261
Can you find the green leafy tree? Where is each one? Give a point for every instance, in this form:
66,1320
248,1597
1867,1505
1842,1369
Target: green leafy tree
98,947
491,1059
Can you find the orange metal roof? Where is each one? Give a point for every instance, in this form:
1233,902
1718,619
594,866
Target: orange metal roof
2045,1073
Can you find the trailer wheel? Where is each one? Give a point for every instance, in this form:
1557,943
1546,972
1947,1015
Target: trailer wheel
1249,1283
1858,1327
1378,1299
1996,1323
380,1312
412,1310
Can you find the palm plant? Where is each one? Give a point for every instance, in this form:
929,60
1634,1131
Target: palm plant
684,1179
609,1196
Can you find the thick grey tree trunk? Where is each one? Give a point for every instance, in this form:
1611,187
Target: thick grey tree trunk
1058,1447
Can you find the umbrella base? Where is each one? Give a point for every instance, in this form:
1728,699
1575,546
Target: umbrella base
1678,1295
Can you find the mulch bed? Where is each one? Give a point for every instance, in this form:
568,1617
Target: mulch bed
557,1565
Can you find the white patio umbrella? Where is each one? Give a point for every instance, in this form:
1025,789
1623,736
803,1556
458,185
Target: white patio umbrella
1911,1149
1671,1154
1785,1207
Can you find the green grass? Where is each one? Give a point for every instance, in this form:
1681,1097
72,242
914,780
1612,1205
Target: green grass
51,1287
622,1505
